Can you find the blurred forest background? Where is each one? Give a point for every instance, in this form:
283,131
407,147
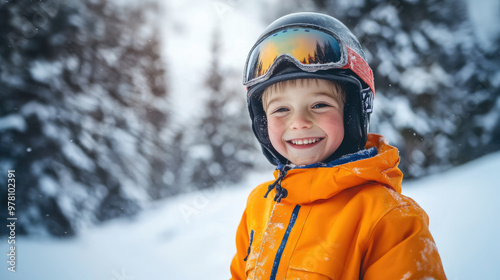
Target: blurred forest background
96,122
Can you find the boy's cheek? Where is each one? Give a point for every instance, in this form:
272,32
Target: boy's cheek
275,132
272,135
274,128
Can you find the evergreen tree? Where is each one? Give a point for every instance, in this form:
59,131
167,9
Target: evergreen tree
223,146
436,92
82,117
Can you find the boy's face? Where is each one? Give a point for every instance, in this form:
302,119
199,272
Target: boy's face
305,122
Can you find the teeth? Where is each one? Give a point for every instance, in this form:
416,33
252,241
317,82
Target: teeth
305,141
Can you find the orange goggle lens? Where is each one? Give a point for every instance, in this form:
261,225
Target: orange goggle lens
308,48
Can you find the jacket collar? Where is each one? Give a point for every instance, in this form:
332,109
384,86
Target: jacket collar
378,163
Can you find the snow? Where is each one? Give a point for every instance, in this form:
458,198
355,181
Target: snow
77,156
191,236
38,109
485,15
13,121
404,117
44,71
406,276
434,75
462,205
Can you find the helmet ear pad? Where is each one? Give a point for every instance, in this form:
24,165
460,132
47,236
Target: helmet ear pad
355,122
260,129
355,118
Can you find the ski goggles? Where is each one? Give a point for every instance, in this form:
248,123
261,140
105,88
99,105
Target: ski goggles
309,49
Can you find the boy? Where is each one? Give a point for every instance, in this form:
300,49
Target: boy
338,211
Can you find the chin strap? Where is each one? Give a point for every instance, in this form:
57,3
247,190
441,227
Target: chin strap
280,191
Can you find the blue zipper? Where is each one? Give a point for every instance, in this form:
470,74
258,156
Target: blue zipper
249,245
277,259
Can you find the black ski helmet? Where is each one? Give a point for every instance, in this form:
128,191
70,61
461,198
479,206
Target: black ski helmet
350,70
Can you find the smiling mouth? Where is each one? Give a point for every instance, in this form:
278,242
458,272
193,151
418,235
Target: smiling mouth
303,142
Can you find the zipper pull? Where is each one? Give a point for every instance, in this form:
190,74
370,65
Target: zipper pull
280,191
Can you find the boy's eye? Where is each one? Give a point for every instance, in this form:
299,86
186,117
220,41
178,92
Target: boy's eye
320,105
281,109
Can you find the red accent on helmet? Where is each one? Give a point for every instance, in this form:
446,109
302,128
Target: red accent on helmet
361,68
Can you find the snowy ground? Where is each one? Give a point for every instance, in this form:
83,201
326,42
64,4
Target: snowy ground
191,236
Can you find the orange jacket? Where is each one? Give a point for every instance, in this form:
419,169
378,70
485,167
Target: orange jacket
344,222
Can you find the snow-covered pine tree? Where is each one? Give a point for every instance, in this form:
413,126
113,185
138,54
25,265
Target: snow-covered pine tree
437,92
480,117
222,146
83,117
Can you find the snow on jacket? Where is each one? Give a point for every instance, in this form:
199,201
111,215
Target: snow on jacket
348,221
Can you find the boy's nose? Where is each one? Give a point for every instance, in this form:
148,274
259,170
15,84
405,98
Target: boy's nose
300,121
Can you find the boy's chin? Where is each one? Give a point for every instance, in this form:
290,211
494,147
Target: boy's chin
306,161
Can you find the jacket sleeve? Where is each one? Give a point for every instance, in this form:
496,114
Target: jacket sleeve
242,241
401,247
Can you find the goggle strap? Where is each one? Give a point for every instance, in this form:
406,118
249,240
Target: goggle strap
360,67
